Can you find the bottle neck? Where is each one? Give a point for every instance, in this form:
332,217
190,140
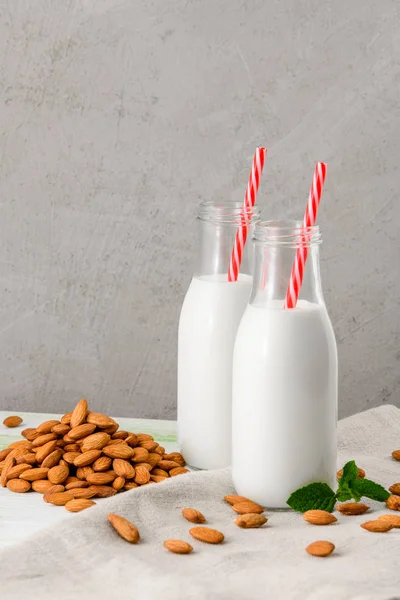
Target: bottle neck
218,226
278,245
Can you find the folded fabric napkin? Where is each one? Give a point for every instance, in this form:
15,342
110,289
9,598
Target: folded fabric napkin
84,558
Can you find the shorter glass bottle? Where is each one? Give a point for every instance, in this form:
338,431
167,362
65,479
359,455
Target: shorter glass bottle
285,375
210,315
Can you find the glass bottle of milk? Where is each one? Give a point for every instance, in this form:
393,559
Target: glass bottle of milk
285,375
209,318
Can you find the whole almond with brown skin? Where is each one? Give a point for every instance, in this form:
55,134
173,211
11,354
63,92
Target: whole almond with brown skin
157,478
167,465
30,434
395,489
178,471
79,504
178,546
60,429
394,520
242,508
143,464
88,492
24,443
121,450
66,419
72,448
41,485
142,475
124,528
120,435
4,453
76,485
12,421
378,526
43,451
29,459
159,473
16,471
130,485
34,474
55,489
193,516
318,517
176,457
250,521
9,463
59,498
102,464
81,431
149,445
131,440
43,439
232,499
352,508
139,455
206,534
118,483
101,478
153,459
87,458
102,491
396,454
58,474
123,468
144,437
161,450
17,452
47,426
361,474
96,441
69,457
83,472
393,502
112,429
79,413
19,486
100,420
322,548
112,442
52,459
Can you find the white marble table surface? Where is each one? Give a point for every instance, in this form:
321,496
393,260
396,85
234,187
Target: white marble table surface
21,515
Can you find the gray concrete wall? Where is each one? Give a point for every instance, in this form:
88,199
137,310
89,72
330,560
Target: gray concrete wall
118,116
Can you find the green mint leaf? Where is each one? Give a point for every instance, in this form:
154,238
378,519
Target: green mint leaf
343,494
311,497
369,489
350,472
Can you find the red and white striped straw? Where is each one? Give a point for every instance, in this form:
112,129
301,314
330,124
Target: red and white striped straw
246,213
310,217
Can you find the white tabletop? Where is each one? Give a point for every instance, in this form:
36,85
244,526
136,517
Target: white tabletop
21,515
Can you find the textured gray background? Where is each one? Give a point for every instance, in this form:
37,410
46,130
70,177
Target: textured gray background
118,116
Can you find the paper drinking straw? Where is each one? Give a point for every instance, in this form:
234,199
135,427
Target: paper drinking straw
246,213
296,278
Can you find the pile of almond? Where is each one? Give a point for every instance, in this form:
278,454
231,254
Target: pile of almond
84,455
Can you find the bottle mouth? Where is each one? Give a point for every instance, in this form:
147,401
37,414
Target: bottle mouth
228,212
286,233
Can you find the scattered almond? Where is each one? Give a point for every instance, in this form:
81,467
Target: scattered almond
319,517
178,546
396,454
250,520
207,535
393,502
78,504
321,548
352,508
395,489
193,516
242,508
377,526
124,528
232,499
394,520
12,421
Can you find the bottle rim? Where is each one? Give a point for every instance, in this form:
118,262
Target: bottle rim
228,212
289,233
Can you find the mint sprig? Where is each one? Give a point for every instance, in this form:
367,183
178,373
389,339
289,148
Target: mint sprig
350,487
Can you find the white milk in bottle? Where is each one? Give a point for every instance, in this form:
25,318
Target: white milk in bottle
210,315
284,376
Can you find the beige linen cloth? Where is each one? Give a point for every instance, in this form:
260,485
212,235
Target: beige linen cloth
84,558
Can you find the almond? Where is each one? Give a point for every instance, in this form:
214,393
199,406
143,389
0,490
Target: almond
144,437
96,441
161,450
79,504
148,445
232,499
72,447
9,463
43,451
395,489
123,468
60,429
178,471
159,473
176,457
118,451
193,516
101,478
24,443
54,489
103,463
393,502
47,426
120,435
19,486
43,439
167,465
76,485
17,452
87,458
59,498
66,419
242,508
4,453
378,526
394,520
206,534
131,440
30,434
352,508
142,475
139,455
118,483
361,474
100,420
88,492
52,459
396,454
58,474
158,478
79,413
178,546
102,491
29,459
321,548
83,472
154,459
81,431
41,485
319,517
124,528
69,457
250,521
34,474
130,485
16,471
12,421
